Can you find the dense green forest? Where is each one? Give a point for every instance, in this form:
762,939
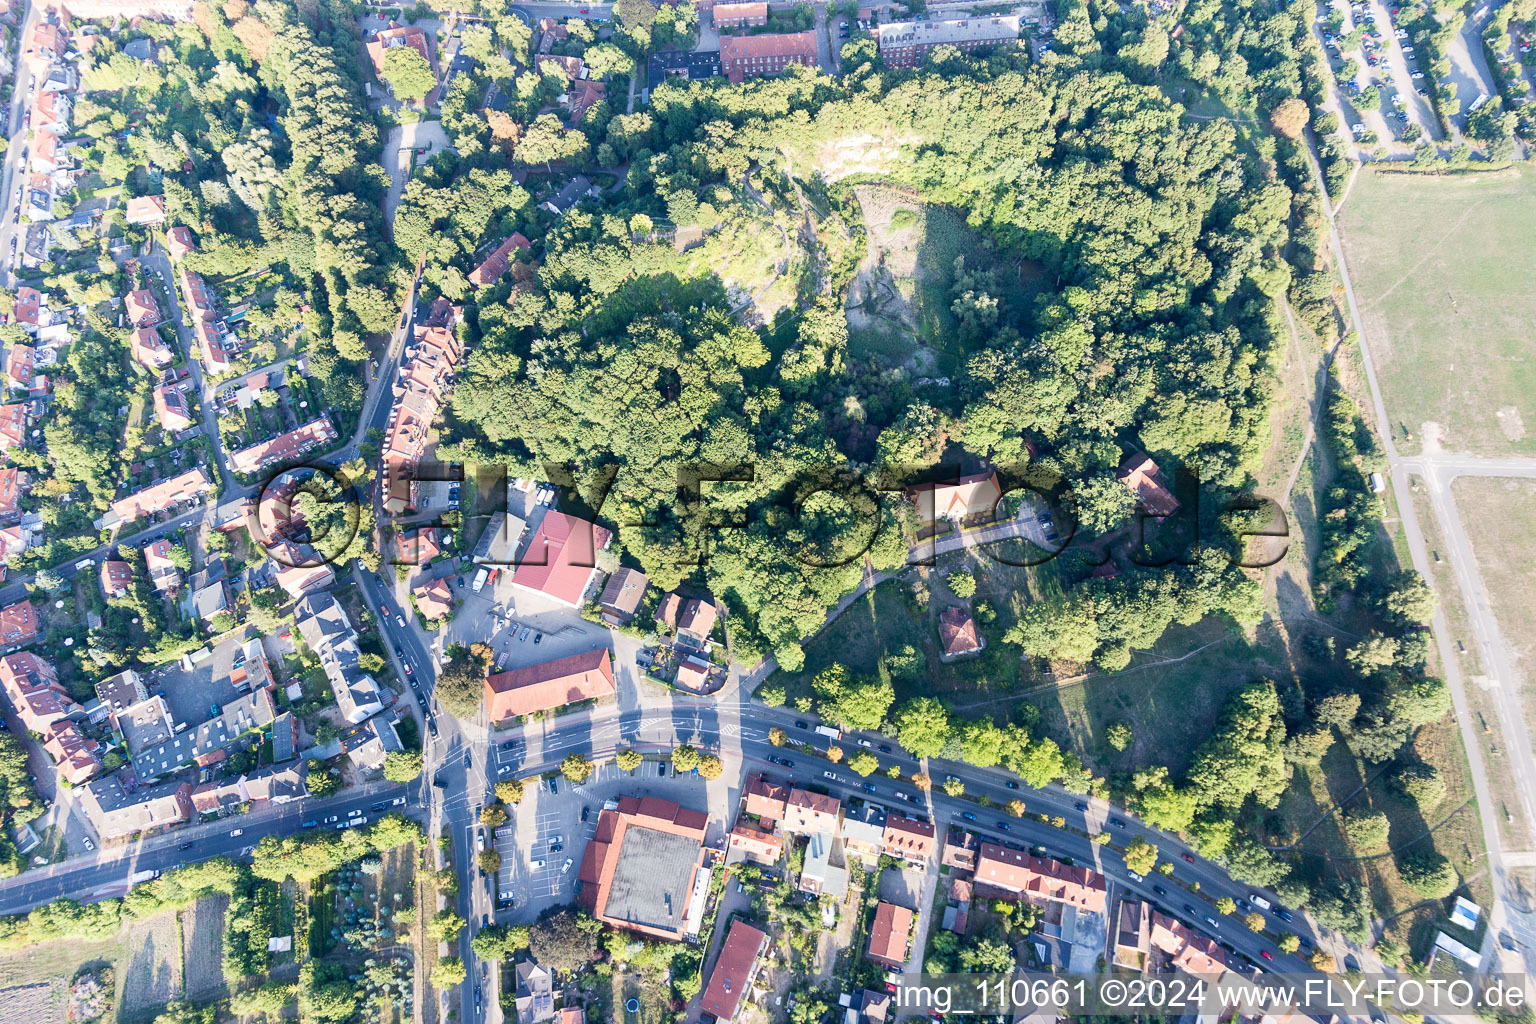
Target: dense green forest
1156,241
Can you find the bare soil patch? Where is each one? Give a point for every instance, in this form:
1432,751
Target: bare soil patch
202,933
151,965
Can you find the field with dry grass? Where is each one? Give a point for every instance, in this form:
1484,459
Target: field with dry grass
202,933
149,971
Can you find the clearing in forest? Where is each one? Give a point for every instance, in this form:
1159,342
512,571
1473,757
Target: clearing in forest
1441,269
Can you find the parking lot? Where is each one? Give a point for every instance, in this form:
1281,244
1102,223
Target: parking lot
534,873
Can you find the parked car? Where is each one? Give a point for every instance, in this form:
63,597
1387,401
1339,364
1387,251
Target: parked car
567,865
536,864
86,842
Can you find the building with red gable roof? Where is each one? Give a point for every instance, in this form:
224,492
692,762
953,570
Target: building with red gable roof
561,558
552,684
497,260
735,969
179,242
639,870
146,210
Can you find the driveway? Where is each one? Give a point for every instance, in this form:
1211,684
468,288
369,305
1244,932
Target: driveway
399,157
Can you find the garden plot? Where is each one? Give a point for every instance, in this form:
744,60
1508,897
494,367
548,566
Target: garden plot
39,1003
151,965
202,933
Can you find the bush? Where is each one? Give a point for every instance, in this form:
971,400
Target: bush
1429,874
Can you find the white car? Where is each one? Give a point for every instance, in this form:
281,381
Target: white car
537,863
556,839
88,844
400,621
566,866
505,769
398,801
237,832
1417,75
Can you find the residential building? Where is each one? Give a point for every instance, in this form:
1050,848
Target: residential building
299,570
179,243
396,35
164,574
47,156
144,725
534,993
640,871
39,198
210,742
423,383
863,832
908,839
693,675
34,690
904,44
19,625
958,633
76,756
120,692
207,595
31,308
1133,927
216,344
20,363
47,43
621,596
582,97
13,484
1187,950
371,743
276,784
734,972
825,871
740,15
565,200
419,546
1140,474
50,112
755,844
306,438
497,260
327,631
434,600
13,541
196,296
13,426
188,488
172,409
806,812
973,495
692,618
765,799
149,350
146,210
745,57
1014,874
552,684
683,66
573,68
116,577
118,807
889,936
561,558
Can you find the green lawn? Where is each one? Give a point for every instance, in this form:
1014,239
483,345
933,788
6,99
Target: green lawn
1441,269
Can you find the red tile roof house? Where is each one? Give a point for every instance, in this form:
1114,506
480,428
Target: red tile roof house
889,935
171,408
561,558
163,573
33,687
146,210
13,426
29,307
1140,474
19,625
142,309
434,600
1013,874
533,689
957,631
116,577
692,617
735,969
20,362
179,242
908,839
149,350
13,484
974,495
76,756
638,870
252,460
497,260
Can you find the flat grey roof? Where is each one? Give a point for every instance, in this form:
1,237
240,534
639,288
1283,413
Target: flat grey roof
651,881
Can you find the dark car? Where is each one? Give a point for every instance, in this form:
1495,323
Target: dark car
184,846
1080,806
468,759
1003,826
586,812
1160,890
786,762
1011,784
1284,915
869,787
432,726
554,784
775,759
1117,823
509,745
661,768
1188,857
801,725
1188,909
968,816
